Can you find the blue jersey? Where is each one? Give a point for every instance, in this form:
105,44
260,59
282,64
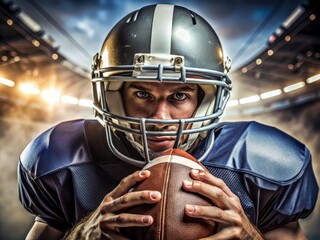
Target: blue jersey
65,172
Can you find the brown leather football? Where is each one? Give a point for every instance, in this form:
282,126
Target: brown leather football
170,222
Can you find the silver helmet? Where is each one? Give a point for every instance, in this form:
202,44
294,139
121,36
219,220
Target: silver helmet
160,43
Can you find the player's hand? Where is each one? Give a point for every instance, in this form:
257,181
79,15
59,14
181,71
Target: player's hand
228,212
108,217
106,221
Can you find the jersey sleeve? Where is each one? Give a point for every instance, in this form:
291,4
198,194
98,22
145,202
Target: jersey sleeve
38,199
288,203
41,190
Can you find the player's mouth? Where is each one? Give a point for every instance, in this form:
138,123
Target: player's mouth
160,143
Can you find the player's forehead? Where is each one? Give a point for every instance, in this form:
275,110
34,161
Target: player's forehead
155,86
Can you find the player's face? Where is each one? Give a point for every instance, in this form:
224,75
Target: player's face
160,101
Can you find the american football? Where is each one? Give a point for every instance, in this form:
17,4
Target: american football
170,222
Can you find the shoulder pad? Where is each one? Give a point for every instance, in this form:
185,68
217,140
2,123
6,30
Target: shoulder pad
62,145
260,150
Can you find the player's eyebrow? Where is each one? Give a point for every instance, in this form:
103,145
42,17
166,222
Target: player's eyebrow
184,88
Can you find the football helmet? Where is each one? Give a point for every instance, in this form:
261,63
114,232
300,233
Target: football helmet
160,43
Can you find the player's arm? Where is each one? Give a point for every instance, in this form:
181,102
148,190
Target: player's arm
105,221
42,231
287,232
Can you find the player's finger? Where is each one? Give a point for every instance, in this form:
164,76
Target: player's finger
128,182
233,200
125,220
212,213
130,199
206,177
215,194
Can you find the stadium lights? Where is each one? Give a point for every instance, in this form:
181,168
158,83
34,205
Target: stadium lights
85,102
313,78
258,61
270,94
293,17
270,52
35,42
244,70
7,82
294,87
9,21
232,103
26,19
29,88
251,99
54,56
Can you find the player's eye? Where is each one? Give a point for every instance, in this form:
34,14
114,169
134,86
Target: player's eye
142,94
179,96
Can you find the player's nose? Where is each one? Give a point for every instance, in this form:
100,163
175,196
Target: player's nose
161,110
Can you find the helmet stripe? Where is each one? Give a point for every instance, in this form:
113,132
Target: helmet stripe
162,29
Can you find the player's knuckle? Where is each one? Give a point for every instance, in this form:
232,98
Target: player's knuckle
103,208
239,222
219,193
203,175
107,207
237,208
199,186
236,232
144,195
198,210
137,220
220,183
124,181
107,199
220,214
124,199
136,174
120,219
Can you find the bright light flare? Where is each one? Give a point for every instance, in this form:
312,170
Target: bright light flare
270,94
29,88
232,103
85,102
7,82
50,95
251,99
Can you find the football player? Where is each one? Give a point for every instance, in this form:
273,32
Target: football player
160,82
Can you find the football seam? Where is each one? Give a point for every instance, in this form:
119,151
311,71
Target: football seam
164,199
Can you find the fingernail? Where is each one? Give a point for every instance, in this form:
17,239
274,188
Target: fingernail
190,208
145,220
143,173
195,171
188,183
154,195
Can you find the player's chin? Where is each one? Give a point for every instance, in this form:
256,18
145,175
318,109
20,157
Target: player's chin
160,146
